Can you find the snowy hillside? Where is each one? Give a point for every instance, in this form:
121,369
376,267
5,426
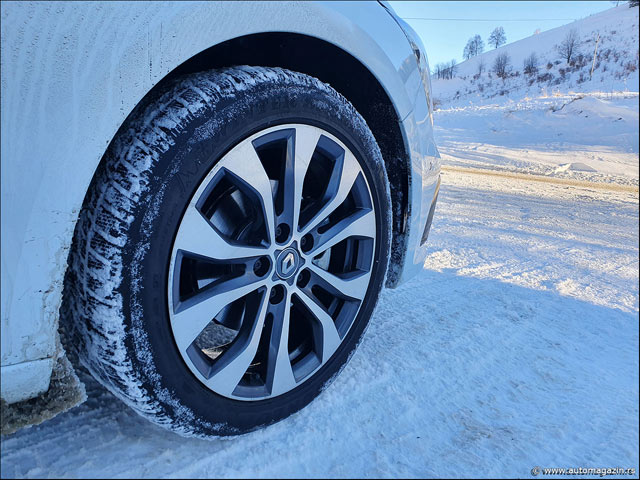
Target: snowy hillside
554,121
615,68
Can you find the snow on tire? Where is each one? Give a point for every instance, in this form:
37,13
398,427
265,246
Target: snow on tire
230,251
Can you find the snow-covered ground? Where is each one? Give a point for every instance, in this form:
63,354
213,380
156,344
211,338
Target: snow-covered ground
584,136
517,346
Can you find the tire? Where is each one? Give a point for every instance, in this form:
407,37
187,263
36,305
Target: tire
146,274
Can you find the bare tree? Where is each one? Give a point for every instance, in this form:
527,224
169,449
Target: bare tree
466,54
530,65
497,37
501,65
478,44
445,71
567,49
474,47
437,70
481,66
453,68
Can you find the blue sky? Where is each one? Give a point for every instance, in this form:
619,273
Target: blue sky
445,39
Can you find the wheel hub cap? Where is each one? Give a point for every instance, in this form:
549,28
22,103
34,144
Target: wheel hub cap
287,263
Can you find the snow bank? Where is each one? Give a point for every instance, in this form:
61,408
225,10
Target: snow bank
589,137
65,391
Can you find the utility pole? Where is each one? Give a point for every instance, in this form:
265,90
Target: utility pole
595,51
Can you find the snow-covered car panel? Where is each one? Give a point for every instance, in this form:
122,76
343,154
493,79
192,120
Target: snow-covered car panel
73,72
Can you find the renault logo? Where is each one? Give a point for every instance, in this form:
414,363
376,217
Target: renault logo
287,263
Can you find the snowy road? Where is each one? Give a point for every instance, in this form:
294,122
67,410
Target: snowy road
517,346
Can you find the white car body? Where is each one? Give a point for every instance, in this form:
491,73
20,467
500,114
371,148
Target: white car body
73,71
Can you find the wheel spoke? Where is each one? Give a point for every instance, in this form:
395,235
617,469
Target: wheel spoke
361,224
192,316
279,371
349,173
306,142
243,161
196,235
232,364
330,337
353,285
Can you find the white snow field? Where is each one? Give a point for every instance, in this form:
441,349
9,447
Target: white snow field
557,121
581,136
517,346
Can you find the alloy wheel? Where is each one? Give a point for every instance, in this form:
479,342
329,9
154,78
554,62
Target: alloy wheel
271,262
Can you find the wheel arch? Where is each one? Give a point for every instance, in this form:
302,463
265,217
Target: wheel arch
328,63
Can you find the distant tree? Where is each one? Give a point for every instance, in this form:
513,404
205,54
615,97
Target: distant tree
437,70
475,46
446,70
633,3
501,65
530,65
481,66
453,68
567,49
466,54
478,44
497,37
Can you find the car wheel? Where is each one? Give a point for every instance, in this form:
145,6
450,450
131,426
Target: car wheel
230,251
